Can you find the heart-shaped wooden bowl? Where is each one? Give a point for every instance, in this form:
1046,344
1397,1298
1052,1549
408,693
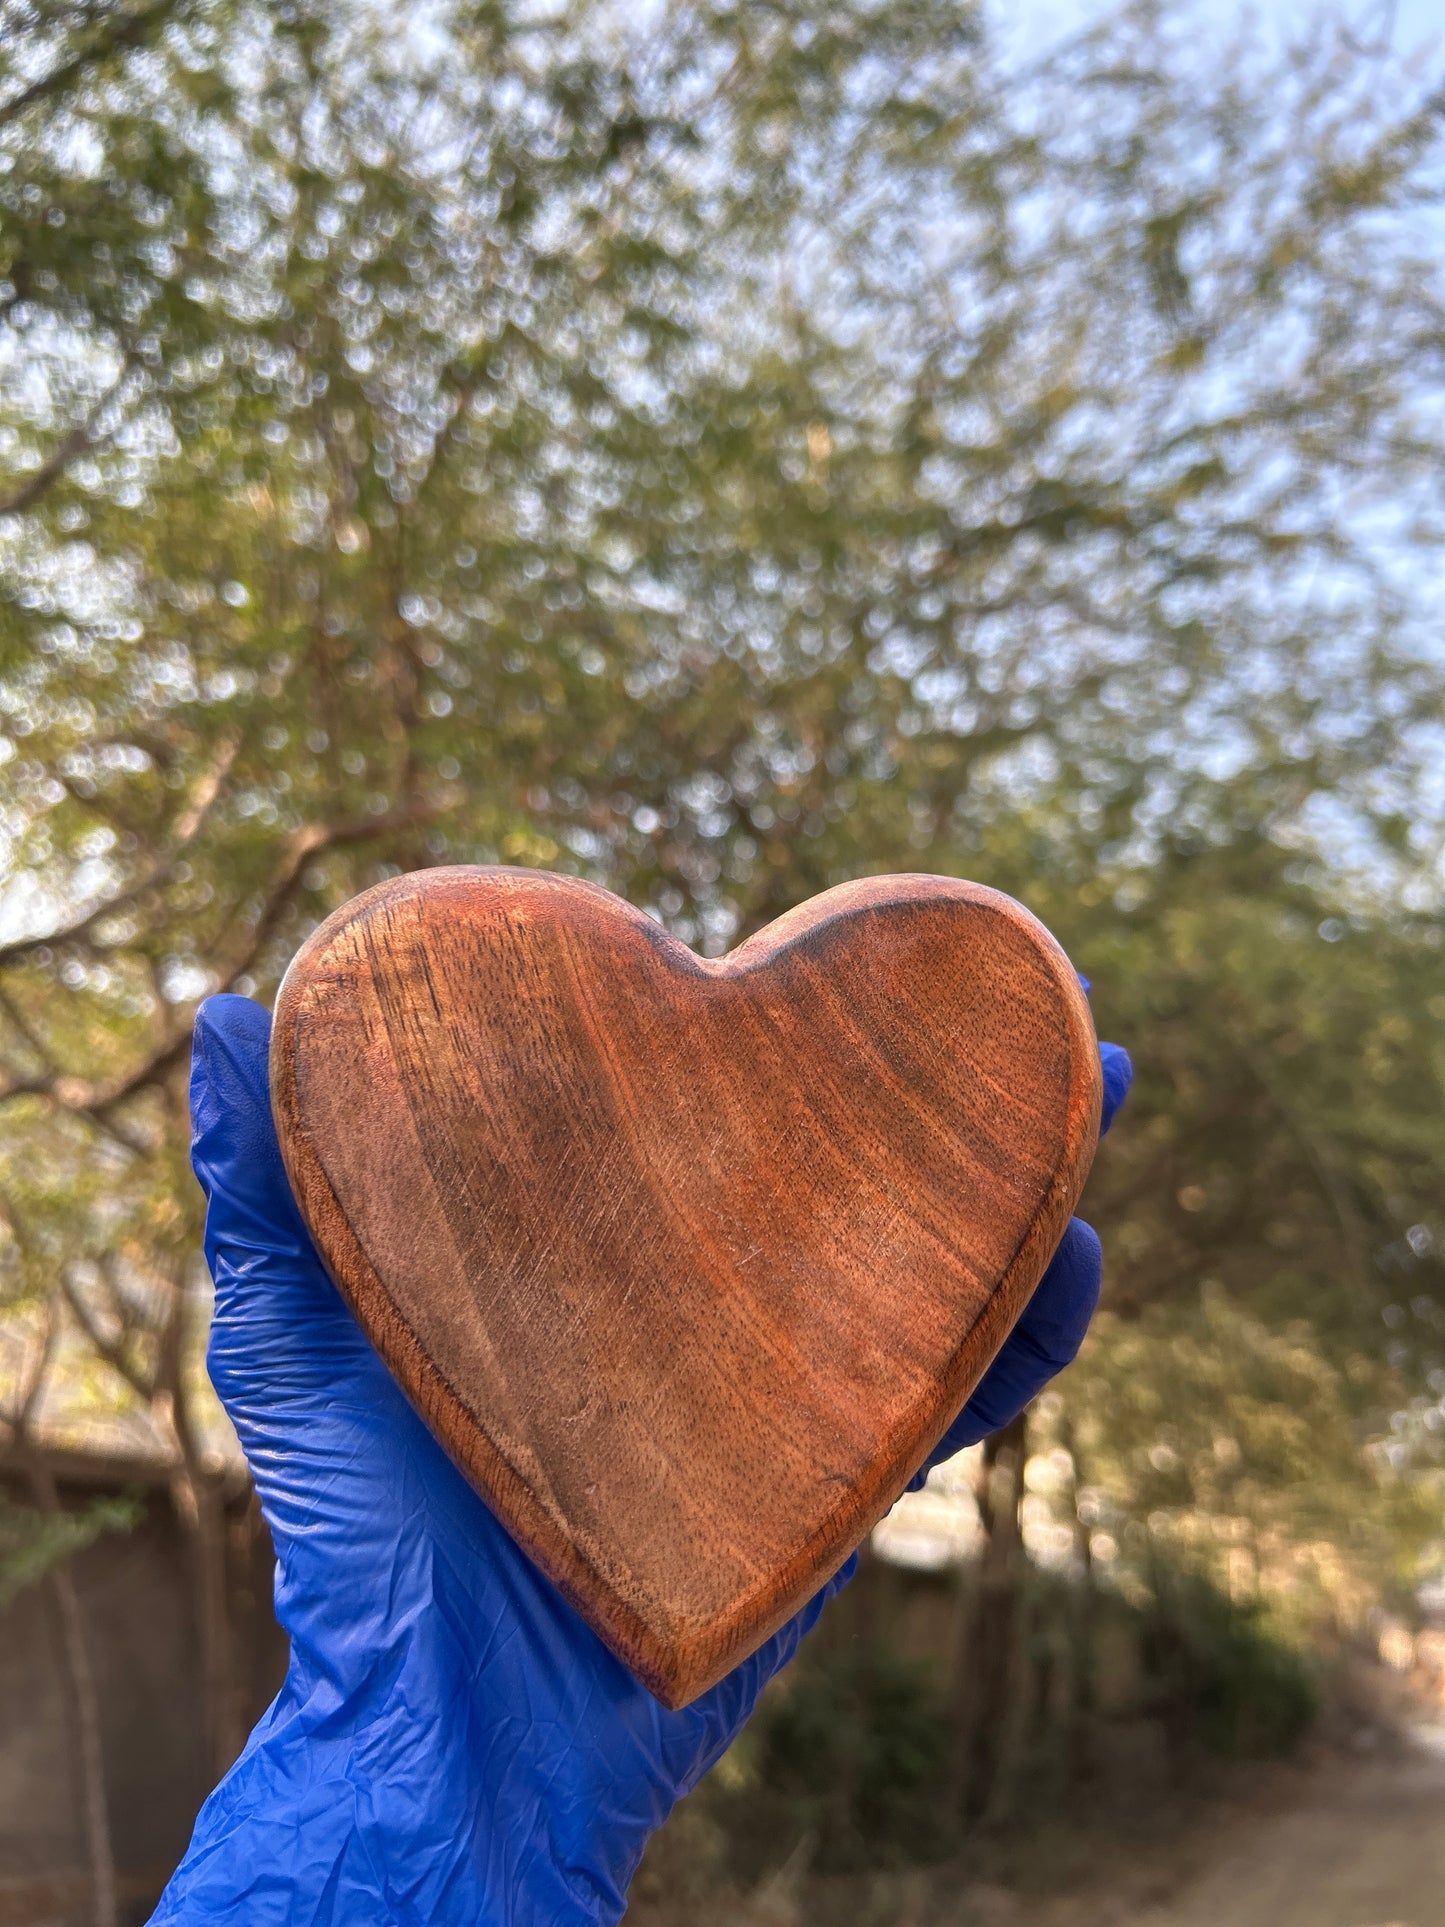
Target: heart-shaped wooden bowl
688,1264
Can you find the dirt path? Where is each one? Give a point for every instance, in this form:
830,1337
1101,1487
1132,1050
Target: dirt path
1350,1844
1343,1840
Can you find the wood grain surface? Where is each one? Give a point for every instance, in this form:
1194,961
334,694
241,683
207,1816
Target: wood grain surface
688,1263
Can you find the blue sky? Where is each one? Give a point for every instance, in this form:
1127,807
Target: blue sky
1414,22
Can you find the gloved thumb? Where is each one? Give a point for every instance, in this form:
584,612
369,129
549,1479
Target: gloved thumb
280,1330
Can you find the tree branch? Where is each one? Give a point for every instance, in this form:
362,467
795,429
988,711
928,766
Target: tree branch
31,1384
27,1031
65,451
96,1098
183,832
112,1351
307,842
133,32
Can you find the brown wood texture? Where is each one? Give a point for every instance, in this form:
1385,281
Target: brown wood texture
688,1263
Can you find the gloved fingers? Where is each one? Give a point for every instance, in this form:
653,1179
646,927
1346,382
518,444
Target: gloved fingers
692,1741
1118,1076
1056,1319
234,1151
279,1327
1048,1335
1045,1340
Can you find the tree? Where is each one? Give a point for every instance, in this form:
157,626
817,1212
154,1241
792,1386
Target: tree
719,457
36,1544
1265,1386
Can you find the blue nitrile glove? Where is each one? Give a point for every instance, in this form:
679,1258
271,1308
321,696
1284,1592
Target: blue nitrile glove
452,1746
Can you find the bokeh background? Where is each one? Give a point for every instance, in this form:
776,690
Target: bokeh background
720,450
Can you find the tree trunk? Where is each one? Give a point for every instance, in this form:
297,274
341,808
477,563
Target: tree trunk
84,1705
201,1505
986,1660
198,1496
1083,1627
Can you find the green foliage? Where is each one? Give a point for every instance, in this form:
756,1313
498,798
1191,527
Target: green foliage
33,1542
1262,1391
855,1751
854,1755
1218,1676
721,456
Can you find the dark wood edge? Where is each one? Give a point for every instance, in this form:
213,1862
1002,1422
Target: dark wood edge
678,1672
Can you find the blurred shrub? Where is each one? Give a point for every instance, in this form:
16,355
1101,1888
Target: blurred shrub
32,1542
855,1753
1221,1678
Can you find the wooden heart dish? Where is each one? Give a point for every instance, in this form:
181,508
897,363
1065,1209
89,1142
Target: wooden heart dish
688,1264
